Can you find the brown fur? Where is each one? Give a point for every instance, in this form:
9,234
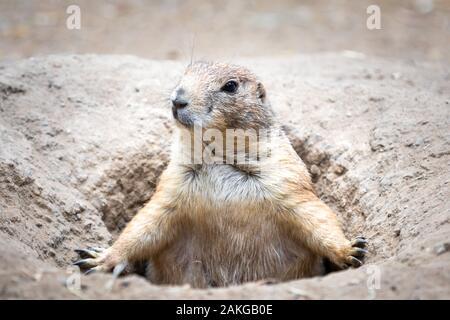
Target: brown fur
221,224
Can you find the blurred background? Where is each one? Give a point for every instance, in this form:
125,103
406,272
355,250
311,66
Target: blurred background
411,29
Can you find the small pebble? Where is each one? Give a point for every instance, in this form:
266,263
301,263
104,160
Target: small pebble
442,248
338,169
315,170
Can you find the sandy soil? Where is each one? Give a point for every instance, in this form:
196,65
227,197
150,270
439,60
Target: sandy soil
84,139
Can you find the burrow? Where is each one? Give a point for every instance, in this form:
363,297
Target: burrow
130,184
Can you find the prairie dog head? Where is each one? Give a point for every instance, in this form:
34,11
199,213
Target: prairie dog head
220,96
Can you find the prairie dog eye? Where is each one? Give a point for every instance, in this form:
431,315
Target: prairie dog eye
230,87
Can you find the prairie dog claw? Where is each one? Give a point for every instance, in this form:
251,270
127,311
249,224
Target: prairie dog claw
88,252
359,242
358,252
95,259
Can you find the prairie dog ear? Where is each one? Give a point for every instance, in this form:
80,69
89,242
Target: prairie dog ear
261,92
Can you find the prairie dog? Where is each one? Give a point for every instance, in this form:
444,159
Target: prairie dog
217,224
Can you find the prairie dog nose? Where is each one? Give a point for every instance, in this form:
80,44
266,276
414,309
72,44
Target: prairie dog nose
179,103
179,99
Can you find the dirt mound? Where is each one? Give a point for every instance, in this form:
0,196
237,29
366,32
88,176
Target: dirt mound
83,140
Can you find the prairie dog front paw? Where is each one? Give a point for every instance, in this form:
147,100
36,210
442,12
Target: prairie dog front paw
98,259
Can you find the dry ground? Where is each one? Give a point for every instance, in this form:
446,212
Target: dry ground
83,140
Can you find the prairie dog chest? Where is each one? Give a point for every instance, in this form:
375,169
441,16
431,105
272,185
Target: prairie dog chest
230,209
215,186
